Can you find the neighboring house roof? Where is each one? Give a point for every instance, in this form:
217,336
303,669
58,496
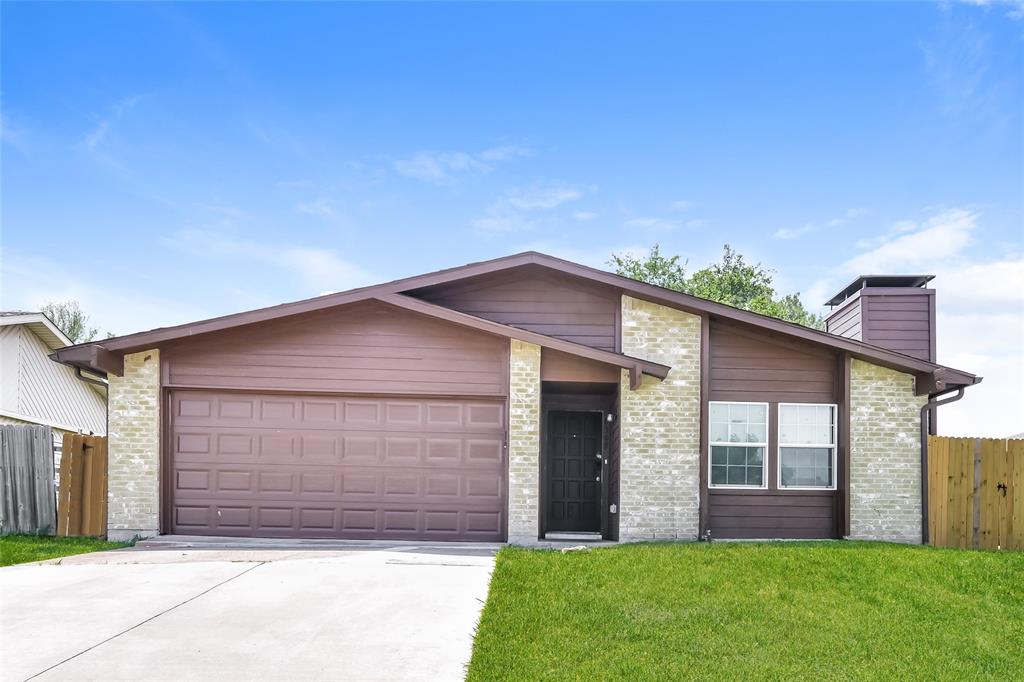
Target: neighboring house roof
40,325
106,356
36,391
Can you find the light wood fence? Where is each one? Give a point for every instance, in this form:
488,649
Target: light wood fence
26,480
82,496
976,492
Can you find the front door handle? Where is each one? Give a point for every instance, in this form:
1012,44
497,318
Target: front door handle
598,478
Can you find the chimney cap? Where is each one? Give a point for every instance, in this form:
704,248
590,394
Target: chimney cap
865,281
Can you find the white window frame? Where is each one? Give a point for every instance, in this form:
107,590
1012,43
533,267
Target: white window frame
764,445
834,447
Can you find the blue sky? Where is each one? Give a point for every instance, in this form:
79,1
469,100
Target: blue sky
163,163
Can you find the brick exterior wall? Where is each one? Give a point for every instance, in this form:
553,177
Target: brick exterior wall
133,467
885,454
523,442
659,474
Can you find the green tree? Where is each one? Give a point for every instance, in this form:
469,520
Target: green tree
70,319
732,281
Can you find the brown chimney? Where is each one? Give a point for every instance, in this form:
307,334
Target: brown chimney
892,311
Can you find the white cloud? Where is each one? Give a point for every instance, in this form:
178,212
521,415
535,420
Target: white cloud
505,153
444,168
584,216
113,308
516,210
317,268
792,233
682,205
838,221
98,134
320,206
942,236
541,198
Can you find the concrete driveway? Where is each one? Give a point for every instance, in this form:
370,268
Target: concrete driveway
189,609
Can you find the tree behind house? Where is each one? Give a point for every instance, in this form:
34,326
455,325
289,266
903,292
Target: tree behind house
70,319
732,281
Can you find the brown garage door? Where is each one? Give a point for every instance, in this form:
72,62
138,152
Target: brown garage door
337,467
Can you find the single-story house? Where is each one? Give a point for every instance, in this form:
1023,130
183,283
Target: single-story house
522,398
34,390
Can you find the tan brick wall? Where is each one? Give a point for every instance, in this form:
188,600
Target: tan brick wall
134,448
659,474
885,454
523,442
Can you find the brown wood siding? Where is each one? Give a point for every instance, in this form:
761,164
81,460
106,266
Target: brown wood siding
902,323
363,348
538,301
558,366
772,514
752,366
846,321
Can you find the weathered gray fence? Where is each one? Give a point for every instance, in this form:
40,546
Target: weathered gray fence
27,496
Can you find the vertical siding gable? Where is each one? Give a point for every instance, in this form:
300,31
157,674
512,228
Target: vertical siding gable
51,392
545,303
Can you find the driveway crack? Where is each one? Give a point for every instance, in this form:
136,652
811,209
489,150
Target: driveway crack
151,618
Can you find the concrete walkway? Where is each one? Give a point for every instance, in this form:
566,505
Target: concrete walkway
190,609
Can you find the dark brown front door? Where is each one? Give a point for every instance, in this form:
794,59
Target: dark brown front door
574,471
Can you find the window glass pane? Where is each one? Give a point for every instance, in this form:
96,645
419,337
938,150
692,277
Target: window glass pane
806,424
719,432
737,465
738,414
719,412
758,433
806,467
758,414
787,414
787,433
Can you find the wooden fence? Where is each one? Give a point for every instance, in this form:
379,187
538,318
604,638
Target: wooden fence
82,496
26,480
976,492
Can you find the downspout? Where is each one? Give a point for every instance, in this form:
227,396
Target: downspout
926,410
89,380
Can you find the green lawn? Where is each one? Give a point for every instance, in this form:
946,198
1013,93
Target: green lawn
764,611
17,549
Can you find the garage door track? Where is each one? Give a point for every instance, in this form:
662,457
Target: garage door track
182,608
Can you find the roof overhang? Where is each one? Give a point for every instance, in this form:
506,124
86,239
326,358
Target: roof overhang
109,351
41,326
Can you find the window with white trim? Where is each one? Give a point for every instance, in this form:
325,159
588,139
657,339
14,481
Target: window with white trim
739,444
807,446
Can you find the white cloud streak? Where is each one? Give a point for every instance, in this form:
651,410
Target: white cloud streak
516,211
318,268
445,168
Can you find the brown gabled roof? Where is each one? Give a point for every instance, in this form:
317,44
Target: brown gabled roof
105,355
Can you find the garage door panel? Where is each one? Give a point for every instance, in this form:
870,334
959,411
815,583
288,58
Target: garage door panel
312,466
354,521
